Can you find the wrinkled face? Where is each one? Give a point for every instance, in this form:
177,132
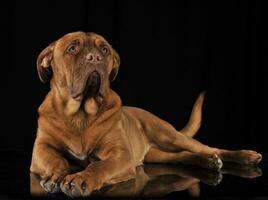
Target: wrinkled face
82,63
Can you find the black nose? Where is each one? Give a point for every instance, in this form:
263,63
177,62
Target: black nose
94,58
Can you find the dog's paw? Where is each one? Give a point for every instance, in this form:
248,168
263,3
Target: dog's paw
249,157
212,161
76,185
51,183
209,161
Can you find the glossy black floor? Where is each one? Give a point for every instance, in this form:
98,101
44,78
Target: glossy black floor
160,181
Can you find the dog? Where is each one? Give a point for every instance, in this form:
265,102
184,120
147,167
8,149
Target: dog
82,120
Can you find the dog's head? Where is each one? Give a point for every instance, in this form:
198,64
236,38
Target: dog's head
82,63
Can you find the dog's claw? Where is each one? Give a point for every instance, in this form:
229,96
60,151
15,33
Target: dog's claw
51,184
75,186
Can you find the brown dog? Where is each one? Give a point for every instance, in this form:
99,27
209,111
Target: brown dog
82,119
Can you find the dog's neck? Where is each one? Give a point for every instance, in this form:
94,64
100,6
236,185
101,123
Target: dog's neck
61,108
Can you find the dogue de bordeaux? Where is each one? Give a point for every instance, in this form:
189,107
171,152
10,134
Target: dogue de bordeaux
82,119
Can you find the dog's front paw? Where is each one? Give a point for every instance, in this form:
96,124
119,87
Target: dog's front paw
77,185
51,183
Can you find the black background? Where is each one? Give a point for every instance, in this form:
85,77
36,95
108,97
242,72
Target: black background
170,51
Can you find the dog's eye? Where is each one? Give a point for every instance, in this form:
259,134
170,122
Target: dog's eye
72,49
104,50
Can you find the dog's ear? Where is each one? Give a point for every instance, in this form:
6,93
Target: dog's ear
44,63
116,63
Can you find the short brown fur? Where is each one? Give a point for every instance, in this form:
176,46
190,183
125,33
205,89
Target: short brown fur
96,131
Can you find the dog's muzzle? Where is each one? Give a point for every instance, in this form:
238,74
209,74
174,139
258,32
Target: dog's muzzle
91,88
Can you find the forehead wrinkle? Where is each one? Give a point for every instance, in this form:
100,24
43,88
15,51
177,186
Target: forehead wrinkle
62,43
92,41
101,41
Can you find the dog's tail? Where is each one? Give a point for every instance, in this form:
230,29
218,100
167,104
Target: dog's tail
194,122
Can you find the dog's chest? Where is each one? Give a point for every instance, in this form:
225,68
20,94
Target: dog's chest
80,147
80,156
83,157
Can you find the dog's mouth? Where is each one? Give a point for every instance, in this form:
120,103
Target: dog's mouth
91,88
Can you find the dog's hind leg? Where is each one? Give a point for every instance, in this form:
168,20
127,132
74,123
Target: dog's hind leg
168,139
175,141
209,161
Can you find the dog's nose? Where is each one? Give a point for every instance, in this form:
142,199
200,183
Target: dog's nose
94,58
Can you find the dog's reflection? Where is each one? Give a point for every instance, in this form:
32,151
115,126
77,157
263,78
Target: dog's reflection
157,180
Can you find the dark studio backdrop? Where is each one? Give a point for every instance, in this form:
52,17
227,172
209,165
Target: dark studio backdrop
170,51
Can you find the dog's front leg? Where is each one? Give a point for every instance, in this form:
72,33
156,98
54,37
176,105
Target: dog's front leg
50,165
115,167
